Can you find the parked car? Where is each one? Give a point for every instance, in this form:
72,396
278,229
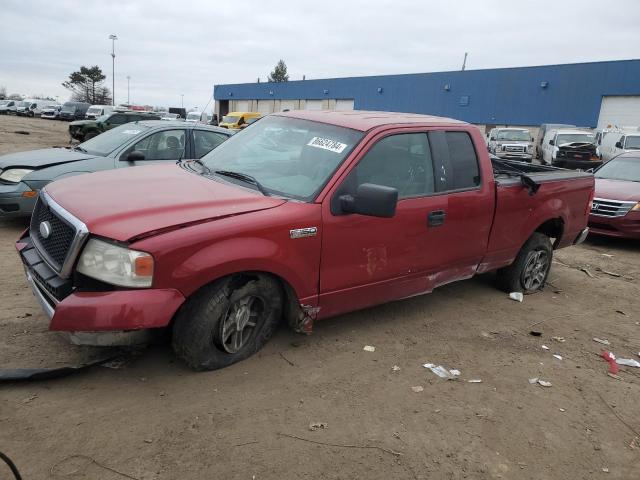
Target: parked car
182,112
616,206
619,141
303,216
542,131
51,113
249,121
95,111
7,107
82,130
512,143
169,116
237,119
74,111
24,174
570,148
199,117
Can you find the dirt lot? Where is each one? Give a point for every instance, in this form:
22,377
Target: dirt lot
155,419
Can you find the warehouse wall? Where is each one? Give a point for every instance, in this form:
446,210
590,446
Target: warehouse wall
515,96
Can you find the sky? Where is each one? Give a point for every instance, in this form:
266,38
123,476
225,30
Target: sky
171,48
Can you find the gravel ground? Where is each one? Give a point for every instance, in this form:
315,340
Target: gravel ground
154,419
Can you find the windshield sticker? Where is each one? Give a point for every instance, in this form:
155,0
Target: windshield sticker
327,144
131,132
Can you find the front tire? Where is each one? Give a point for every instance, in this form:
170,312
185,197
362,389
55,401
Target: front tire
529,271
227,321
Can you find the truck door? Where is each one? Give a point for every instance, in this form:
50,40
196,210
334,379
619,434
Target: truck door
469,188
369,260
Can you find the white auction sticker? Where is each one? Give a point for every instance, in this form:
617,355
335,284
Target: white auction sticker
131,132
327,144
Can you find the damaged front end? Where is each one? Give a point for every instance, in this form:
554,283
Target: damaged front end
577,155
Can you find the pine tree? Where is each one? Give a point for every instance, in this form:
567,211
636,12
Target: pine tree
279,73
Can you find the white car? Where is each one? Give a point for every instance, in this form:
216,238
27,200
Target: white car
95,111
197,117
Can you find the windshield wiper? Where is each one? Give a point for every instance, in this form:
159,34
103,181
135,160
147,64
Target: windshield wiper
244,177
79,149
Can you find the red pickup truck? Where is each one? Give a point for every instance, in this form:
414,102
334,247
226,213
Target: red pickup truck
302,216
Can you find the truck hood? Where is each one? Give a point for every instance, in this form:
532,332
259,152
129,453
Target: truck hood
42,158
135,202
581,146
81,123
622,190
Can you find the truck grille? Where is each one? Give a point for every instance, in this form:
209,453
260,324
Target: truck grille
57,245
514,148
610,208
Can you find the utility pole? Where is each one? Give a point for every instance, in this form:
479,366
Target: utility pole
464,63
182,100
128,101
113,39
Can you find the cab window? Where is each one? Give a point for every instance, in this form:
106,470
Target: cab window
118,119
400,161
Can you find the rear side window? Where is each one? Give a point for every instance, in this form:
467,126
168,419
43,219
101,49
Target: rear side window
456,160
464,161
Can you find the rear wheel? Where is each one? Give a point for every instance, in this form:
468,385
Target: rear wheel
227,321
529,272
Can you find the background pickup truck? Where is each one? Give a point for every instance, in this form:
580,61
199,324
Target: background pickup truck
302,216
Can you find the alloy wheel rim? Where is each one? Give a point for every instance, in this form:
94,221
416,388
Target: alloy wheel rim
239,323
535,270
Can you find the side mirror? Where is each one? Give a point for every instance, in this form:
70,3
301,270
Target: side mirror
134,156
532,139
618,144
371,200
551,142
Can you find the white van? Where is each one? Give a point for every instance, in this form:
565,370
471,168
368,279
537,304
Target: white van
197,117
32,108
620,141
95,111
555,139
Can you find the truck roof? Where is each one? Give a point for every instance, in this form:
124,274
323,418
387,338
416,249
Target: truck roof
364,120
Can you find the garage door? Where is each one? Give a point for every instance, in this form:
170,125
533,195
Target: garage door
242,105
288,105
619,111
313,105
265,106
344,104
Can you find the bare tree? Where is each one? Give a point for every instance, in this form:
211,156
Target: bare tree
87,85
3,92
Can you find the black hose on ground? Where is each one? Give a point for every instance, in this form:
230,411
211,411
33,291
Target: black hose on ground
12,466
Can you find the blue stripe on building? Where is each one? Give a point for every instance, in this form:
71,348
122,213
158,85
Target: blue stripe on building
570,93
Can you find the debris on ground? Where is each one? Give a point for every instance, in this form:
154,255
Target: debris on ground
601,340
544,383
544,347
318,426
611,358
395,368
621,312
533,381
22,132
441,371
535,333
586,270
474,380
559,357
30,398
517,296
629,362
558,339
417,388
607,255
369,348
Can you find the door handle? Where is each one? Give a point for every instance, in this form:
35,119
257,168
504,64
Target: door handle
436,218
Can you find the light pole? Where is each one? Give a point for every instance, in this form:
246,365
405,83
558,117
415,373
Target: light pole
128,101
113,39
182,100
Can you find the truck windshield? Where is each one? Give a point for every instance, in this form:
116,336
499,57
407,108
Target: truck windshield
632,143
620,169
514,135
94,111
107,142
68,108
230,119
289,157
575,137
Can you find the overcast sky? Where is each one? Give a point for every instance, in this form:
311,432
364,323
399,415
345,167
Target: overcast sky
169,48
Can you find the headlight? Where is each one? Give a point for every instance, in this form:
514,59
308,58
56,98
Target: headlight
116,265
636,207
15,175
529,147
